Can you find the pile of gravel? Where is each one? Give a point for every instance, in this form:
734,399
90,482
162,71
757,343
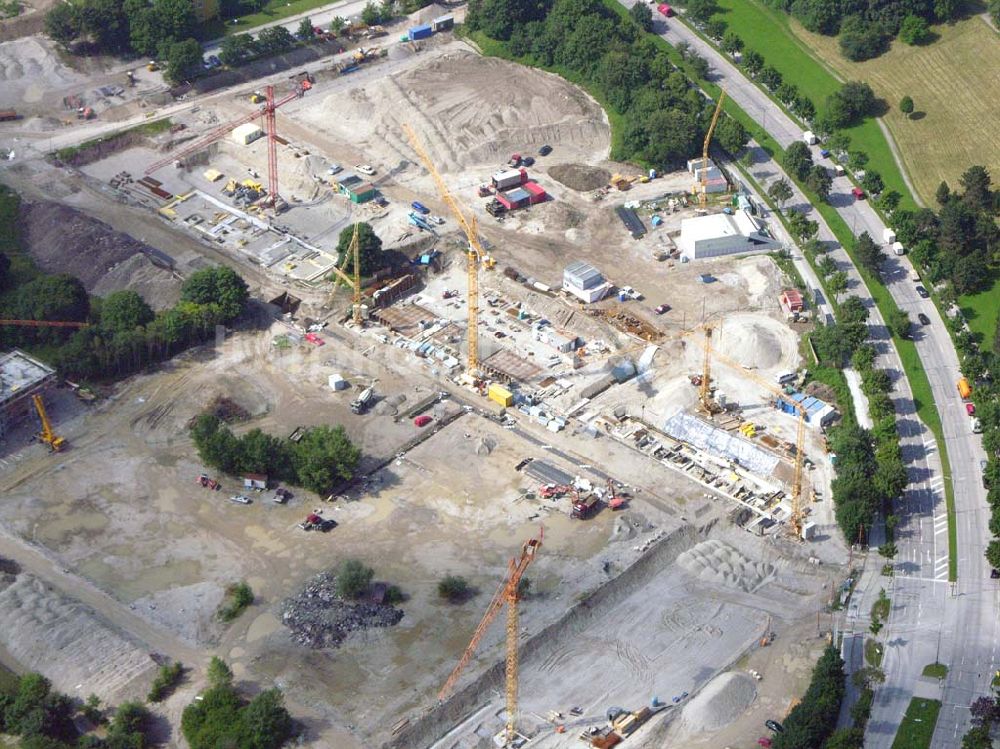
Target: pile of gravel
319,618
722,701
718,562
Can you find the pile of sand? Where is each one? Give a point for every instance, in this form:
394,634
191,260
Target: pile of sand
579,177
718,562
722,701
28,68
467,110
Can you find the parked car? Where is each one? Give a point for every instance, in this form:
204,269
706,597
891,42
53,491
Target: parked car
995,573
420,207
970,408
773,725
662,309
922,292
528,161
335,169
365,169
924,319
435,220
240,499
422,421
315,340
215,61
545,150
631,293
858,193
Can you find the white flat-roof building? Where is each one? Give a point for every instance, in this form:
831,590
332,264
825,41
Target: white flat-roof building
246,133
724,234
585,282
21,376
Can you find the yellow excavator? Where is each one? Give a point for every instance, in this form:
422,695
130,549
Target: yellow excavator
49,437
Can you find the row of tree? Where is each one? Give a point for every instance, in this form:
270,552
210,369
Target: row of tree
959,241
665,116
45,719
865,27
322,458
811,722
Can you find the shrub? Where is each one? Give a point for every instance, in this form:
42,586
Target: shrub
453,588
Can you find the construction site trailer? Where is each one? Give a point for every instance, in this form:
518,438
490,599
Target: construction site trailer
246,134
538,194
419,32
443,23
507,178
499,394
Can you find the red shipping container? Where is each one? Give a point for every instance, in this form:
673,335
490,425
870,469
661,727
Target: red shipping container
538,194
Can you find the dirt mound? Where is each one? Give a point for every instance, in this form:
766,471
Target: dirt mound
63,240
29,68
718,562
579,177
467,110
722,701
319,618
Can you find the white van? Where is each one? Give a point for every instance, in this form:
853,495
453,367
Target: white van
898,248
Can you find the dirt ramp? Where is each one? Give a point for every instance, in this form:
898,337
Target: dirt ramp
722,701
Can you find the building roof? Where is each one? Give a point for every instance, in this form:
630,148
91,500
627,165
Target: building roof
583,272
792,296
19,371
534,188
814,406
739,223
517,195
361,188
246,129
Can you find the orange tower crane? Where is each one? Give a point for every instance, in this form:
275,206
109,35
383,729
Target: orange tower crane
266,113
474,256
506,594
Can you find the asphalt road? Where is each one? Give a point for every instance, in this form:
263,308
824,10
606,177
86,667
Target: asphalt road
928,617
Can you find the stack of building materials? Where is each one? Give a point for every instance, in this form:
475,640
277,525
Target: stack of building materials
715,180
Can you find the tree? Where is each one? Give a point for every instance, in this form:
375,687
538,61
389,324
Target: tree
837,283
731,135
914,30
993,553
899,322
888,550
906,105
371,15
369,249
872,182
860,40
238,49
798,159
642,15
338,24
976,182
266,722
60,297
699,66
353,578
770,77
92,710
453,588
62,23
889,201
826,266
715,28
994,8
868,253
787,93
984,710
306,30
846,738
323,457
838,142
856,160
274,40
819,181
731,43
805,108
183,60
943,194
218,672
780,192
754,62
875,627
218,285
700,11
978,737
105,22
125,310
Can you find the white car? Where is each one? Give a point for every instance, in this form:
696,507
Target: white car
435,220
240,499
365,169
335,169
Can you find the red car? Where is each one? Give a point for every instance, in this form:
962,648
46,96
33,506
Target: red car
970,408
662,309
422,421
858,193
315,340
665,9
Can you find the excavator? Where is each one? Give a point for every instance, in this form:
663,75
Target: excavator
49,437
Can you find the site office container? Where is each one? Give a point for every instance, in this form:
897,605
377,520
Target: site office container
419,32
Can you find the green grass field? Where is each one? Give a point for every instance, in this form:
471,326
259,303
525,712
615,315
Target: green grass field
770,32
918,724
982,311
275,10
935,670
954,85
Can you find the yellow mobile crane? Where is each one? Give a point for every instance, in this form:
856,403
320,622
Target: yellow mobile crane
47,435
474,256
506,594
703,196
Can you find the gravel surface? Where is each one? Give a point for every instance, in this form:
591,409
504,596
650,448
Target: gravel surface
319,618
722,701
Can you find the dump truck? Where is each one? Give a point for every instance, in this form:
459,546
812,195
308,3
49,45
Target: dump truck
584,507
361,403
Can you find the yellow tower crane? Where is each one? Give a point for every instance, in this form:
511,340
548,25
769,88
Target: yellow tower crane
505,594
703,196
354,280
47,435
797,515
474,255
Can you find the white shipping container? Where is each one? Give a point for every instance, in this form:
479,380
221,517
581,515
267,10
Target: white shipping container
888,235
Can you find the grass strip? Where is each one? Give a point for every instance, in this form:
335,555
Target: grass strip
917,728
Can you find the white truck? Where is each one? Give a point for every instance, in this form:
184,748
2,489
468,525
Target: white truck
898,248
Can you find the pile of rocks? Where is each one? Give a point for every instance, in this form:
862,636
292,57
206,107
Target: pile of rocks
319,618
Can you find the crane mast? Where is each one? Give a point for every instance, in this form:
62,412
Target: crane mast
507,595
703,197
474,255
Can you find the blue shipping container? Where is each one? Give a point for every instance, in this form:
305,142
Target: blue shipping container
419,32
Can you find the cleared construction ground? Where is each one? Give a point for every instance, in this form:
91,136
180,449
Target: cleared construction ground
669,594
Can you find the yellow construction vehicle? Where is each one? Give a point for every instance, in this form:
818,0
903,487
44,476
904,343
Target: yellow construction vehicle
50,438
152,66
703,191
257,98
